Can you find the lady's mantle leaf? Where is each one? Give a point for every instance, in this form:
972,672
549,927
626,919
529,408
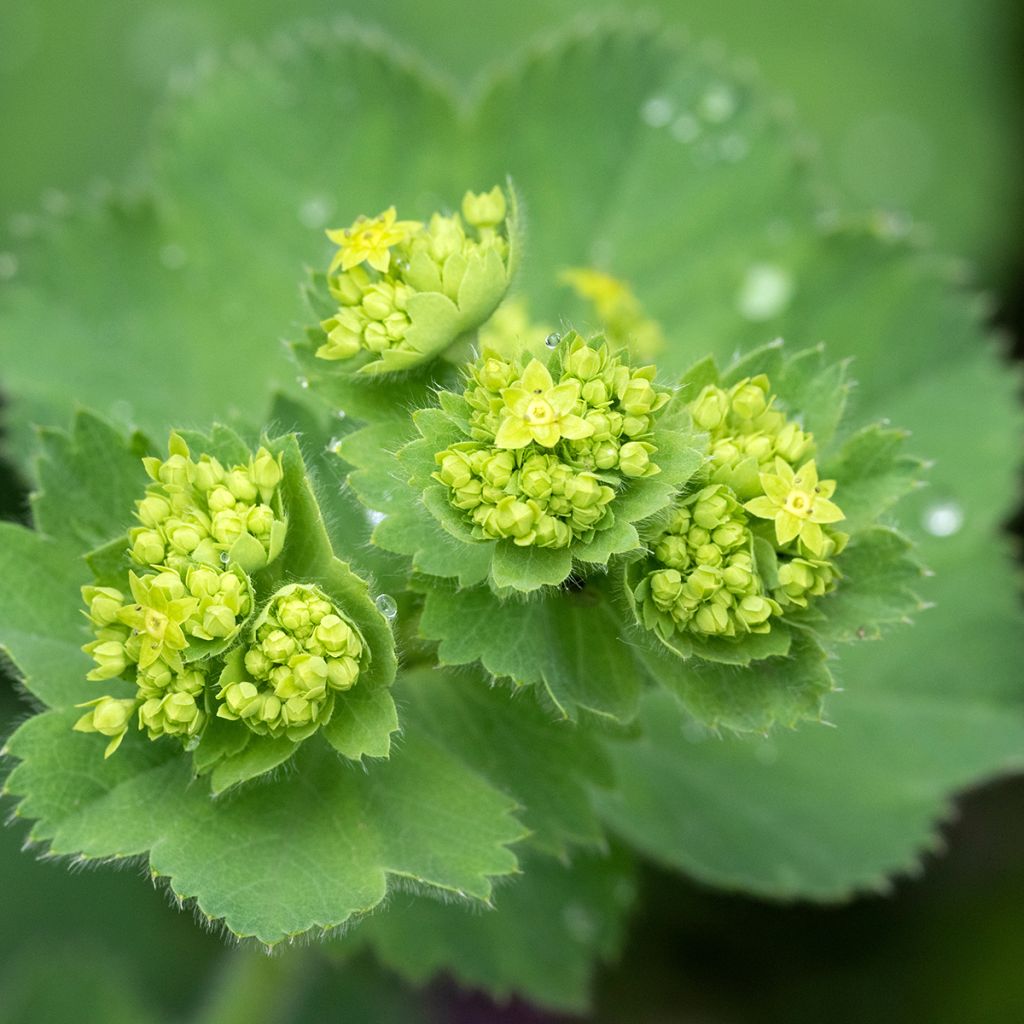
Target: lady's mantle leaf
306,850
577,912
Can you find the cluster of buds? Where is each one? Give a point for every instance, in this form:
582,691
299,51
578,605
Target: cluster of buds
199,512
203,527
761,486
303,652
384,268
547,458
709,584
143,637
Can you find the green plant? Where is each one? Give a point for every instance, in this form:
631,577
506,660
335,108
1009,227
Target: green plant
633,551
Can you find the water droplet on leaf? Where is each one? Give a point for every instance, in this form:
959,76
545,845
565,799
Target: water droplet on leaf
944,519
315,212
224,558
386,606
685,128
765,292
334,445
717,104
173,256
303,382
341,414
657,111
552,340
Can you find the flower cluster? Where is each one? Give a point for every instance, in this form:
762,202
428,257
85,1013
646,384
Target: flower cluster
385,268
303,652
199,513
202,529
757,539
546,459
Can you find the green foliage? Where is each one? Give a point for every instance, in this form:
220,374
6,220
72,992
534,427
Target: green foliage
683,181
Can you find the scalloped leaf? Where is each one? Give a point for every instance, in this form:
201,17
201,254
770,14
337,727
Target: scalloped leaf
307,850
573,645
548,765
577,913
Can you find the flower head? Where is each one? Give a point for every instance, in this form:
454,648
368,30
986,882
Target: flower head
370,240
799,504
538,410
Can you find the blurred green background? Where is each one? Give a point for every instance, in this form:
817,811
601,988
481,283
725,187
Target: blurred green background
917,109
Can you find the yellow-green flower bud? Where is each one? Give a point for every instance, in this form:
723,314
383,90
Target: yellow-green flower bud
635,459
111,659
104,604
152,510
666,588
108,716
710,408
514,518
227,527
749,398
208,473
484,209
342,673
147,547
583,361
241,485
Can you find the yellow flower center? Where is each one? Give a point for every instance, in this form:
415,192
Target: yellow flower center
155,623
799,503
539,411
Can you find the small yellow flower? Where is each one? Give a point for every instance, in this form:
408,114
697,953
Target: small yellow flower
370,239
798,502
536,410
156,620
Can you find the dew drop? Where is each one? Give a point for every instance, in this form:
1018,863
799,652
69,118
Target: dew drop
944,519
315,212
765,292
579,923
717,104
334,445
303,382
55,202
685,128
403,265
224,558
173,256
387,607
192,743
341,414
373,517
23,225
657,111
8,265
552,340
734,148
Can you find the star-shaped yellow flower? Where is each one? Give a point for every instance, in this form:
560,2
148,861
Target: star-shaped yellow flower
370,239
156,621
798,502
536,410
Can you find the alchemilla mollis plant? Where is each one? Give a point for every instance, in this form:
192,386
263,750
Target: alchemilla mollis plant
537,568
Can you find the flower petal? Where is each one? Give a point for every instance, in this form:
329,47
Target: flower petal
536,377
513,433
546,434
775,487
564,397
516,401
763,508
825,511
787,526
574,427
812,537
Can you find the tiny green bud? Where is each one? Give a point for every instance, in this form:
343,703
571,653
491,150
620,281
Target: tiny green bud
749,397
710,408
666,587
635,459
147,547
208,473
240,485
342,672
278,646
484,209
152,510
104,604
